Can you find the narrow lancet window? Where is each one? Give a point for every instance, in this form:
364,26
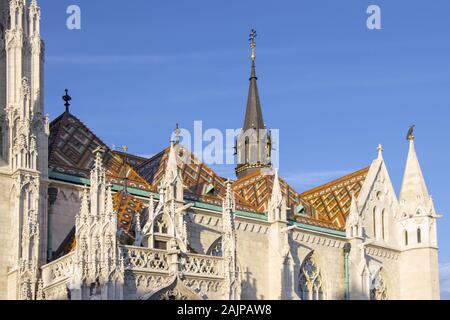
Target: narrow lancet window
374,218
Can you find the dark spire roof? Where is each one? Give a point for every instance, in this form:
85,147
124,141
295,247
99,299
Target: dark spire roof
253,115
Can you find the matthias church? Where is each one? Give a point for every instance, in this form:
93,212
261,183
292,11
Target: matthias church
81,221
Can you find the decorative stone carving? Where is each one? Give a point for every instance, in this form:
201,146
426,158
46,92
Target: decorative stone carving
311,284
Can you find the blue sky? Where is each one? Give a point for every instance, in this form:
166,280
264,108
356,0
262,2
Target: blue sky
334,88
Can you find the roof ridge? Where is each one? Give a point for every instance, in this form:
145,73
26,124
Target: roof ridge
335,181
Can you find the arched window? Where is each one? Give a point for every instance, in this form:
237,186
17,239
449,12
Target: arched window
161,225
246,150
378,290
215,249
382,225
311,284
374,219
406,237
419,235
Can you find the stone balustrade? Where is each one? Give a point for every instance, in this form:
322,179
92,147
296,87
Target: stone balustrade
202,266
145,259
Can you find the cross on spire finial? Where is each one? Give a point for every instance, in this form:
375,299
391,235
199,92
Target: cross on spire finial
252,38
67,100
380,150
176,133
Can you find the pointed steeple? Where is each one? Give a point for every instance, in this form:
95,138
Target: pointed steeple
353,224
172,167
277,196
172,183
277,205
253,145
253,115
413,187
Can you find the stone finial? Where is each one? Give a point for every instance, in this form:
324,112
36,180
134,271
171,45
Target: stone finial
380,151
277,195
172,166
98,153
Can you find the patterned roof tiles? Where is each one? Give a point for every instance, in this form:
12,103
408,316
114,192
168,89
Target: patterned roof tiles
70,151
332,200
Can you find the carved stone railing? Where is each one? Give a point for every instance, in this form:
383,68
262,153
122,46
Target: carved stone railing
58,270
202,266
145,259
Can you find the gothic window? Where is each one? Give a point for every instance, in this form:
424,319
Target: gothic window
246,149
161,225
311,281
383,224
378,289
406,237
216,248
419,235
374,218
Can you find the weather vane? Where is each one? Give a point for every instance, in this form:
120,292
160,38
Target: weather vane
410,135
251,39
67,100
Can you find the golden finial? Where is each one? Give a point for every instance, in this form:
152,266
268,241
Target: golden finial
124,149
252,38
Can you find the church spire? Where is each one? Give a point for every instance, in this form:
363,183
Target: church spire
413,187
253,114
254,146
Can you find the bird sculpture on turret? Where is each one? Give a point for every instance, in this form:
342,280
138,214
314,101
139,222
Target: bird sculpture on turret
410,135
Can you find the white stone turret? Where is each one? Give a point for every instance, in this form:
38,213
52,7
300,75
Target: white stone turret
280,262
417,214
98,270
417,233
24,134
171,203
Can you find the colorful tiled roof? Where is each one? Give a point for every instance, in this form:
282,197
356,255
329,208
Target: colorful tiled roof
331,201
126,207
256,189
200,181
71,146
70,151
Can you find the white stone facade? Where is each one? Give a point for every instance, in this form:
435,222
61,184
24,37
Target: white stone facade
388,250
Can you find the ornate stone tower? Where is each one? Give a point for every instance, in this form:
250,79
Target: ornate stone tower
419,270
23,150
253,147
